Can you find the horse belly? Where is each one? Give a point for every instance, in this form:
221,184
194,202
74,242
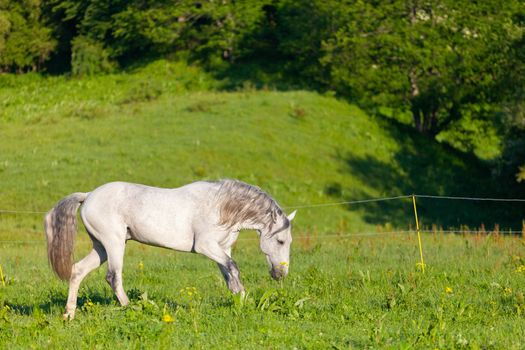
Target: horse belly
162,233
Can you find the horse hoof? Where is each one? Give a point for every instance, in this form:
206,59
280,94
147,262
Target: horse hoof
68,316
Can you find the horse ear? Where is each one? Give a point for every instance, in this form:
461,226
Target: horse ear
292,215
273,214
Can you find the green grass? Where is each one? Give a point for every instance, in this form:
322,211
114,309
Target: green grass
362,292
167,124
31,98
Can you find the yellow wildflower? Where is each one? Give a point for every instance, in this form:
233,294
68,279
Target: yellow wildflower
448,290
141,266
167,318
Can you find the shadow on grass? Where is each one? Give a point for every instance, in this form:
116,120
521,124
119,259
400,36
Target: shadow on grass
256,75
57,300
424,166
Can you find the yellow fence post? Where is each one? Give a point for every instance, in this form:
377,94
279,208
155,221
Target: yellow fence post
2,276
418,234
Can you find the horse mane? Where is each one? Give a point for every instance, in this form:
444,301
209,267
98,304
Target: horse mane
240,202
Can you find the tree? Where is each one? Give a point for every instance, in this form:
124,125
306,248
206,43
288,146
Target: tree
433,58
132,29
228,22
25,42
300,28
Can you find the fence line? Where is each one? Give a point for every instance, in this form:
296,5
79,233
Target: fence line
347,202
21,212
345,235
241,238
402,197
8,241
328,235
322,236
317,205
471,198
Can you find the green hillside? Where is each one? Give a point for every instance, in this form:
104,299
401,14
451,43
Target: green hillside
167,124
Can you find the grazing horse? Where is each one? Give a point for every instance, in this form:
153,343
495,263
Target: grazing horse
201,217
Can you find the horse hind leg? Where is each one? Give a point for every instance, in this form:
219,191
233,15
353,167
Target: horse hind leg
114,274
112,235
81,269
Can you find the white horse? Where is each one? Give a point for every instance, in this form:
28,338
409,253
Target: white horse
201,217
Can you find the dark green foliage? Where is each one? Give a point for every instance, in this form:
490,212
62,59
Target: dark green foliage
88,57
433,58
513,159
134,29
512,163
301,28
25,42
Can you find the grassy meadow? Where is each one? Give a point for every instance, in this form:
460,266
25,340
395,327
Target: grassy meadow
352,284
359,292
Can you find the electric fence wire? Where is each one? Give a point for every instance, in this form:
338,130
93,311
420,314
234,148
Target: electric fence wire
345,235
315,237
317,205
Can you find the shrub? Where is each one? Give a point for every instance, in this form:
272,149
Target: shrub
89,57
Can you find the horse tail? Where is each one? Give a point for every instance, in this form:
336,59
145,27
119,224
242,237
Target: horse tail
60,225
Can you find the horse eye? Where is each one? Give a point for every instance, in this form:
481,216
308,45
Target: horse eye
280,242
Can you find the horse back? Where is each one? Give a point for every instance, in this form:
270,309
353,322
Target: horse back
156,216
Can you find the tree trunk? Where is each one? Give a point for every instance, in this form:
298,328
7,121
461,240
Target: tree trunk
426,121
429,125
416,115
414,105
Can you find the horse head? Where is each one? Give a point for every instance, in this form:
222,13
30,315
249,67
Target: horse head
275,241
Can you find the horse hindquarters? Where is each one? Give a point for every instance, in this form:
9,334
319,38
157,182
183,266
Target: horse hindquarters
61,227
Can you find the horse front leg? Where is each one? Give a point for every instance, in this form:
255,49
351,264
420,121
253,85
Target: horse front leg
231,275
228,267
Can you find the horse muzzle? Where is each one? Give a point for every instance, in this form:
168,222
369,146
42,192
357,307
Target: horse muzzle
279,272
